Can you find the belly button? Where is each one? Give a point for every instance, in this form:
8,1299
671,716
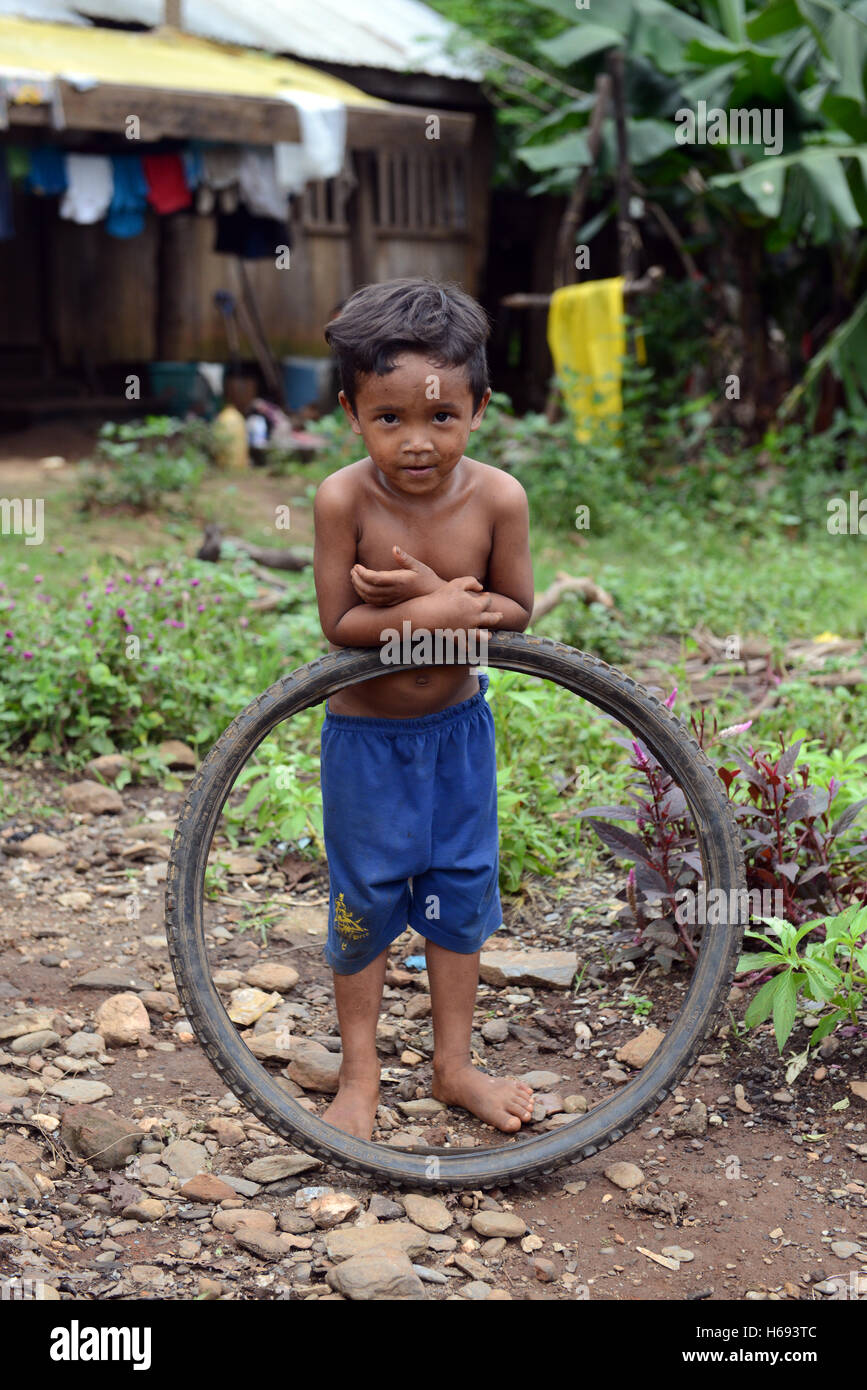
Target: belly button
422,680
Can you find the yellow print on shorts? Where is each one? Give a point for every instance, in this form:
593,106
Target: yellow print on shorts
347,926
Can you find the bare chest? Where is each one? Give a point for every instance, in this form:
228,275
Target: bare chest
454,543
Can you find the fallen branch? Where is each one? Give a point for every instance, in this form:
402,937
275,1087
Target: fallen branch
214,540
568,584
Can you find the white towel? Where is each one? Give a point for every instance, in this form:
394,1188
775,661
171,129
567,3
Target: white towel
258,183
89,188
322,149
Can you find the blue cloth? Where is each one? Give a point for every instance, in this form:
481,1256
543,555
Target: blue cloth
126,215
47,170
410,799
193,165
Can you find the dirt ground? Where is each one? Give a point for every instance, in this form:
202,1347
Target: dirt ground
772,1178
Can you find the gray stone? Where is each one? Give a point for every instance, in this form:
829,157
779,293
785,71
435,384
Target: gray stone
624,1175
845,1249
105,1139
693,1123
277,1166
499,1223
364,1240
314,1067
80,1092
110,977
34,1042
496,1030
85,1045
186,1158
92,797
551,969
385,1275
428,1212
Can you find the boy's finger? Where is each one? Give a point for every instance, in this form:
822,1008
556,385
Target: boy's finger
405,559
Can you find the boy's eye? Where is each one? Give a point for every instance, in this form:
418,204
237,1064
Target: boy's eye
388,416
443,415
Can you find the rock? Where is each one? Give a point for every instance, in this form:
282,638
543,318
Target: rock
545,1270
575,1105
108,765
176,754
383,1208
275,1167
859,1090
428,1212
76,899
228,1132
267,1245
845,1249
540,1080
638,1051
147,1209
105,1139
425,1107
499,1223
30,1021
476,1291
185,1158
271,1047
34,1042
16,1185
85,1045
303,926
496,1030
12,1086
384,1275
247,1005
272,977
160,1001
249,1218
332,1208
122,1020
296,1223
204,1187
693,1123
551,969
624,1175
314,1067
80,1092
40,846
677,1252
110,977
92,797
545,1103
392,1236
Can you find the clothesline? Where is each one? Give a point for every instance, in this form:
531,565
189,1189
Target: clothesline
247,186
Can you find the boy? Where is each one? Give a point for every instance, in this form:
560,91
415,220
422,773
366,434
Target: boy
415,531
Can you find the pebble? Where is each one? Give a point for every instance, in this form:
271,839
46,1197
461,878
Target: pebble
379,1276
624,1175
185,1158
845,1249
122,1020
272,976
499,1223
28,1043
638,1051
80,1092
428,1212
314,1067
332,1208
204,1187
575,1105
148,1209
343,1243
476,1291
496,1030
275,1167
677,1252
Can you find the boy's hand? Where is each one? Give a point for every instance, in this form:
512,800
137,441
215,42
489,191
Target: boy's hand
464,604
383,588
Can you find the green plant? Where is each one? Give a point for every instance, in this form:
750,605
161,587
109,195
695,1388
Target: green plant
831,971
639,1004
138,466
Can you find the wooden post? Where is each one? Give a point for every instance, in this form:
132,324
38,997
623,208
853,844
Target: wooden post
564,261
172,14
626,230
362,228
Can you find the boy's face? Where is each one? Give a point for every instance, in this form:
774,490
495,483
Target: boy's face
415,421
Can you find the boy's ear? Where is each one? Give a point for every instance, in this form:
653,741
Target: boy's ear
479,415
350,413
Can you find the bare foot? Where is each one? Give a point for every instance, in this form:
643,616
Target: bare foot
354,1107
500,1101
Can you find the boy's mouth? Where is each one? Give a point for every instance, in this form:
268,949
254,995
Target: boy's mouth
420,471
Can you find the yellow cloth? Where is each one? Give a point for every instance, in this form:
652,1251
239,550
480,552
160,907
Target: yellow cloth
587,338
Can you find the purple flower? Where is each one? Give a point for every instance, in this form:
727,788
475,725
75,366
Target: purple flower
639,755
9,634
200,608
833,788
669,704
243,622
28,656
88,606
127,579
88,622
158,582
194,582
121,612
60,550
37,579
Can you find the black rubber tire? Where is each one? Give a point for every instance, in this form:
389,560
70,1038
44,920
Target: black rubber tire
722,858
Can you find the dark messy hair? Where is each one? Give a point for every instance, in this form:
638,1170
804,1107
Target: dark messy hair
379,322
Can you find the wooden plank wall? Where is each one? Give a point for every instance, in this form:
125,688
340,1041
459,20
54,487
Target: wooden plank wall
102,300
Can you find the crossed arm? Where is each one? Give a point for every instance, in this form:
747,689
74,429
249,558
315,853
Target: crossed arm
356,603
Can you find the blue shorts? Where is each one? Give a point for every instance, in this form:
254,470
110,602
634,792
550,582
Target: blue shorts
410,799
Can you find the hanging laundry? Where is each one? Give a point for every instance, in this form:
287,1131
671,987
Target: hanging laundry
258,182
47,173
126,215
193,166
7,225
322,150
89,188
243,233
587,339
167,187
221,170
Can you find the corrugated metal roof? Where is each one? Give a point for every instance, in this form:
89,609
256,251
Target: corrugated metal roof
164,59
400,35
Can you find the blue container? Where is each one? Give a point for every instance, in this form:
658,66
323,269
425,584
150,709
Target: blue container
178,386
309,381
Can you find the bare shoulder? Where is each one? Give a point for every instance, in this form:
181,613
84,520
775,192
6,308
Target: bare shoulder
506,494
340,491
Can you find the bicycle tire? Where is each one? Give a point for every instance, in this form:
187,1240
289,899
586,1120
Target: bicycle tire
604,686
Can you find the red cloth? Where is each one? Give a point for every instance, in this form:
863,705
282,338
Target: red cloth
167,186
